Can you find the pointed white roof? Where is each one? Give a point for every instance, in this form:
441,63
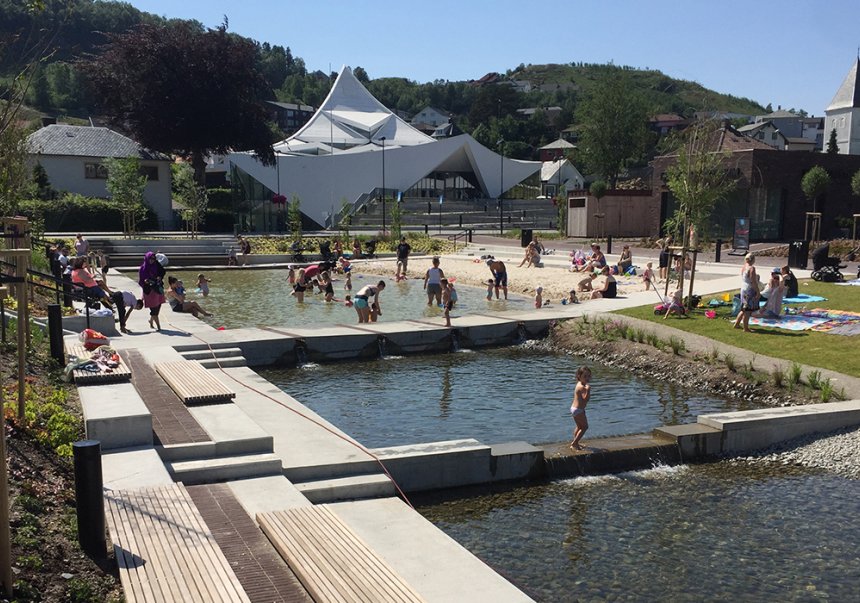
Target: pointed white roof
351,117
848,95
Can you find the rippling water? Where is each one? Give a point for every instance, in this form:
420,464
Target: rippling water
258,298
497,395
716,532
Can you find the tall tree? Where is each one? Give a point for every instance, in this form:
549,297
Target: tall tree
814,184
191,196
178,88
832,147
126,184
613,125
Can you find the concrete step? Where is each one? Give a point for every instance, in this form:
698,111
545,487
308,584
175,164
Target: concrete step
309,473
208,354
206,471
232,361
354,487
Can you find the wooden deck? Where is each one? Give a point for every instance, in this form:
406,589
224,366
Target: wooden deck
193,383
85,377
331,561
164,550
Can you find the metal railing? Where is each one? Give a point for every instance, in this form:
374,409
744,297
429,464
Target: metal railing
466,235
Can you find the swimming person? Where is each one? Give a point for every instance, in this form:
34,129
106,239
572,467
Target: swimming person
203,284
581,396
362,301
433,282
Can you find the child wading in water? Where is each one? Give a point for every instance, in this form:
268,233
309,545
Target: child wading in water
581,395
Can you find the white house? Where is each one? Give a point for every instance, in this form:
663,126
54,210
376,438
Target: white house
560,174
766,132
430,116
73,157
843,114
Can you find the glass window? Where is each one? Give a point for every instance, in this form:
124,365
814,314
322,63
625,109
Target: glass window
95,171
150,171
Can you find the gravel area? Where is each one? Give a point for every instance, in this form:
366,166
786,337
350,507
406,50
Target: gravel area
837,452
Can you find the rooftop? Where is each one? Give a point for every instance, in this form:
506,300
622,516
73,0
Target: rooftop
86,141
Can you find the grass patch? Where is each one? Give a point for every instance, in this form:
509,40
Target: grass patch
804,347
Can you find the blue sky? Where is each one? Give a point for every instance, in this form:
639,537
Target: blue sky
793,53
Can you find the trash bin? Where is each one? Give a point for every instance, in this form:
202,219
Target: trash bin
798,254
526,237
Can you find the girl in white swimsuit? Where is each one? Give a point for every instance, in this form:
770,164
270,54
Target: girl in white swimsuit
581,395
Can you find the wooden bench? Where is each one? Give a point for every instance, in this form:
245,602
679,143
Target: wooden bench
164,550
193,383
330,560
87,377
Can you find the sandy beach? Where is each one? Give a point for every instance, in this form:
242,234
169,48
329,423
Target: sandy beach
554,277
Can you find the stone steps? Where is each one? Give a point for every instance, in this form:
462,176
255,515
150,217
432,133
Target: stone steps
216,357
205,471
376,485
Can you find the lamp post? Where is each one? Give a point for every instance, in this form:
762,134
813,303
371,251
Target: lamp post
383,184
501,144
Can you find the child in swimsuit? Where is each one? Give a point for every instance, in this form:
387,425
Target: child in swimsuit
539,297
447,304
581,396
491,284
291,276
203,284
648,276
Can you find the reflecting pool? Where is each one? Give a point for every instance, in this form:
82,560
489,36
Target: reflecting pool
494,395
258,298
729,531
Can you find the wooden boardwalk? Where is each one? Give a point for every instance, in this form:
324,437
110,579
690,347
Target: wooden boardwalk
193,383
87,377
165,551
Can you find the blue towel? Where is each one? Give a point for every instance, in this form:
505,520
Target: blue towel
803,298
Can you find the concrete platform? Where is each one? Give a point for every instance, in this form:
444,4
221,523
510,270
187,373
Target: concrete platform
435,565
115,415
133,468
266,494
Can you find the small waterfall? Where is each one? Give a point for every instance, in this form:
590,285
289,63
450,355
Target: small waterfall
301,350
522,334
455,340
382,342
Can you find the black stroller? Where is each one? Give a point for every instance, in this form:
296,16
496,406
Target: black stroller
370,248
326,252
298,252
824,267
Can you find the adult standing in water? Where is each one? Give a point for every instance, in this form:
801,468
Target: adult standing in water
363,301
500,276
151,280
433,283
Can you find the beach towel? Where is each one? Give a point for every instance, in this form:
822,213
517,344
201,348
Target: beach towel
838,322
803,298
795,322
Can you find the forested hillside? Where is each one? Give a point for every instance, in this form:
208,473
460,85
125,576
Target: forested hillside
79,27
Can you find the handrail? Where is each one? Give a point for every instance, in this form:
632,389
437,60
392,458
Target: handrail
465,234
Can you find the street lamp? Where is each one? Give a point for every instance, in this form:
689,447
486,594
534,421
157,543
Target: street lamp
501,144
383,184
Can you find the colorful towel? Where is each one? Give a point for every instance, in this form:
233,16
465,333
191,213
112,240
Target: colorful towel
839,322
803,298
790,322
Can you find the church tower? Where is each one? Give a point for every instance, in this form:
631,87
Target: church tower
844,113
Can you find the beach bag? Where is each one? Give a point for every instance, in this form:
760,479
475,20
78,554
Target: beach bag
736,304
92,339
631,271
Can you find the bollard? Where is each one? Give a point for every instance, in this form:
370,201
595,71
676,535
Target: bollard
470,235
461,220
718,250
608,244
88,497
426,229
55,333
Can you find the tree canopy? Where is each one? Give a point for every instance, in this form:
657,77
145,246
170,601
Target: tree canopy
814,184
832,146
178,88
613,124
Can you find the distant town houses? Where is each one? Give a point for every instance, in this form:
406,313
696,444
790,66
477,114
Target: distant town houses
290,117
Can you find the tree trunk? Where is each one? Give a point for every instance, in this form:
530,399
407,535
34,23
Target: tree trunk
198,162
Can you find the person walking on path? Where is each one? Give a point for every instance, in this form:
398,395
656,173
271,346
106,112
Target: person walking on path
433,283
151,280
581,396
403,250
500,275
749,293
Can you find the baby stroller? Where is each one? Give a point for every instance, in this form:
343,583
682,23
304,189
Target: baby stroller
824,267
298,252
326,252
370,248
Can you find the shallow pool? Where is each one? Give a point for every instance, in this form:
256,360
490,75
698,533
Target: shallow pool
257,298
496,395
728,531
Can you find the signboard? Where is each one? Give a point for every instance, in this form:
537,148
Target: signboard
741,236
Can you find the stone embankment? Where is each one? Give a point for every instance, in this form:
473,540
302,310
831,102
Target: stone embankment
836,453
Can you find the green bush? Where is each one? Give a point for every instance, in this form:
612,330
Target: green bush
73,212
221,198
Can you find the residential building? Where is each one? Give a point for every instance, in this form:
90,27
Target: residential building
766,132
557,175
552,113
663,123
555,150
430,116
843,113
73,157
290,116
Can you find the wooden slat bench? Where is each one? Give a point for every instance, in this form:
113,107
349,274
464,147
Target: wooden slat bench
330,560
193,383
85,377
164,550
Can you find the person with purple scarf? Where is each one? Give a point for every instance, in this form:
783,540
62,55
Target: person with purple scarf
151,280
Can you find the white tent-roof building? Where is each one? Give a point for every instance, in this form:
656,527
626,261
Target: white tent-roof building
338,155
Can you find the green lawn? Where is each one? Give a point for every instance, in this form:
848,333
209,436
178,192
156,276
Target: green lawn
835,352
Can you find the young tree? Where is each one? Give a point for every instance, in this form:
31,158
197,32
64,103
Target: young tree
126,184
181,89
191,196
597,190
814,184
613,125
396,215
855,183
294,215
832,147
